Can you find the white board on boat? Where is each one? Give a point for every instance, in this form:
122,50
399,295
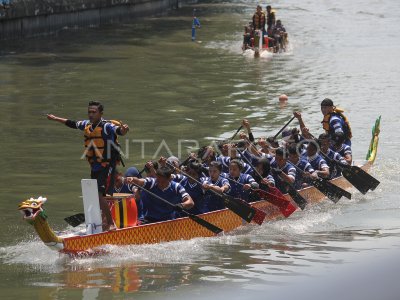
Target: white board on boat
91,206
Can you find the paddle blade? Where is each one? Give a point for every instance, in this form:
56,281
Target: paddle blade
75,220
243,209
206,224
276,198
372,181
333,192
259,216
356,181
297,198
289,210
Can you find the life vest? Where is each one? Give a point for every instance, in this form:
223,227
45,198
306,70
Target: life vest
96,145
338,112
259,20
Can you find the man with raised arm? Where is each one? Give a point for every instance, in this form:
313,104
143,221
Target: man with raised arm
101,150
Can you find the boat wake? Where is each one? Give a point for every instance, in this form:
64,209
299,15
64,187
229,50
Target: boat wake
33,254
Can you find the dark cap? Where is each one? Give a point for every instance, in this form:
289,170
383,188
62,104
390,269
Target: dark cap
327,102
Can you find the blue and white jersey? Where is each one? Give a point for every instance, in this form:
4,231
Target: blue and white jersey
317,162
237,190
305,166
334,171
344,150
211,200
288,169
336,124
195,191
268,178
226,160
154,209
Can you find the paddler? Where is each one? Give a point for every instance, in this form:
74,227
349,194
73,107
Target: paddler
152,209
101,150
282,170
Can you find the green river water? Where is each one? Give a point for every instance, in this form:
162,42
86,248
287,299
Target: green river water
176,93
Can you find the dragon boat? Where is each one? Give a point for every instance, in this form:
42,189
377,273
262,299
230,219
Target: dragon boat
91,239
260,46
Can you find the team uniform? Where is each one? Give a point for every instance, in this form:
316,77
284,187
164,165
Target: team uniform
317,162
344,150
334,171
288,169
154,210
268,178
195,191
237,190
211,200
226,160
304,166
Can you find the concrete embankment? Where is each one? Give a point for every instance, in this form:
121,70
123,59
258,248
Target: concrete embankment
27,18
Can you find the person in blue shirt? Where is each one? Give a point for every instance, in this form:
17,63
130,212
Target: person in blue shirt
316,161
241,183
306,170
154,210
226,162
282,171
263,167
195,24
193,186
101,150
324,143
340,147
213,184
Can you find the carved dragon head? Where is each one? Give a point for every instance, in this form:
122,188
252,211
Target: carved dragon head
31,208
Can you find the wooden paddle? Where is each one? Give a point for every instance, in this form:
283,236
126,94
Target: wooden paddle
333,192
239,207
195,218
360,179
286,125
237,131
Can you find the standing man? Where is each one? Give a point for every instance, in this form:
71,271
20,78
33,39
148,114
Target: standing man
195,24
259,19
101,150
270,20
334,121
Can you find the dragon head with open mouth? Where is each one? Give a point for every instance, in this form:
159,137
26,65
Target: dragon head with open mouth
31,208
